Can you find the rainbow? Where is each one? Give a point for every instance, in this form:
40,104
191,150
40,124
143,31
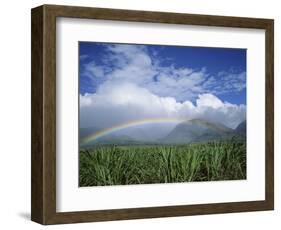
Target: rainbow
103,132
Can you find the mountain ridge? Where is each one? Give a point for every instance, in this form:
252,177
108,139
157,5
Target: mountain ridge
199,130
189,131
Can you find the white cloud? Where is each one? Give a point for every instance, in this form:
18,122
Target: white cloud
229,82
114,105
134,64
209,100
134,85
84,56
94,71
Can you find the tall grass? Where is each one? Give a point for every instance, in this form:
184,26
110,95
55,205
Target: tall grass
120,165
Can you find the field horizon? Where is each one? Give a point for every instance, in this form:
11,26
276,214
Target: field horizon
187,131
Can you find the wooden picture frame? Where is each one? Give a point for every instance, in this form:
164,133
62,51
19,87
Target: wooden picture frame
43,208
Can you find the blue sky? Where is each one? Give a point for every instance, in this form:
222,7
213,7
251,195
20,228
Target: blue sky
216,62
155,81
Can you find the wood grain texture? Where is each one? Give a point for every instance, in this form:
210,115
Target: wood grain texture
269,114
43,207
43,197
37,116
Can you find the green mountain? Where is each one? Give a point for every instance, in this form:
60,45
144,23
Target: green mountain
197,130
190,131
241,128
83,132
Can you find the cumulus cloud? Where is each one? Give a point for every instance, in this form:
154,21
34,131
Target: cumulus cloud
134,64
111,106
132,84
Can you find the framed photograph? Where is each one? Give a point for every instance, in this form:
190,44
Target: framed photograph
141,114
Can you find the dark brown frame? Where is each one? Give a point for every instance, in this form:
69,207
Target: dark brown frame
43,188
